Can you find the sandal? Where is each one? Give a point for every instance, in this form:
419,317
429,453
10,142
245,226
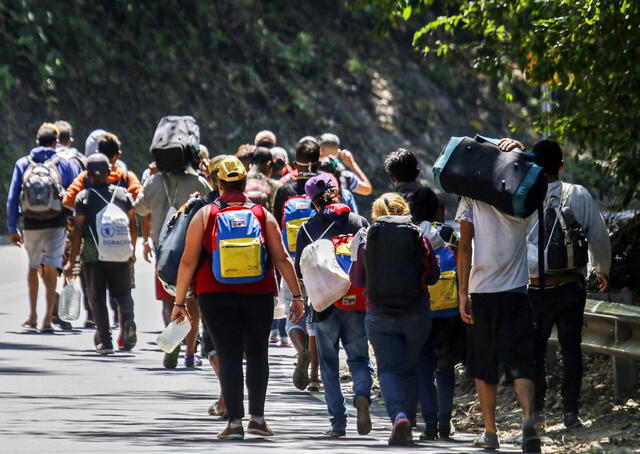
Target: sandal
47,330
30,325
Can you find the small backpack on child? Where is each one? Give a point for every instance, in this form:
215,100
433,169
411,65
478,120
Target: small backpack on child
239,253
296,211
41,192
112,230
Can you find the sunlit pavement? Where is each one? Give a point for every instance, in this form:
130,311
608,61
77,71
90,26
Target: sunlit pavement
58,395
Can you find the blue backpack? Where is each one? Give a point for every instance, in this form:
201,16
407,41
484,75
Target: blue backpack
238,246
444,293
296,211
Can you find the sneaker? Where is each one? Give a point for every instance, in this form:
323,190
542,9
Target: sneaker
487,440
301,372
363,417
170,360
105,349
430,432
401,432
128,336
232,433
89,324
571,420
274,338
530,438
259,428
335,433
446,429
285,343
313,386
192,361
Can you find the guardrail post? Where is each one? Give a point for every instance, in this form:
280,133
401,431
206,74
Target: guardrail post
625,370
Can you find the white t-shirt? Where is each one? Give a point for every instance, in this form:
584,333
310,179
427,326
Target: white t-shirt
499,261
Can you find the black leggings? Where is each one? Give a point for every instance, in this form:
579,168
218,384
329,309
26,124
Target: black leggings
240,324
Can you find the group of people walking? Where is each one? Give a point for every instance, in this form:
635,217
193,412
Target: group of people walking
255,270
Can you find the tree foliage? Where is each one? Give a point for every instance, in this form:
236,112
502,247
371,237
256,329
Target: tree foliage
585,51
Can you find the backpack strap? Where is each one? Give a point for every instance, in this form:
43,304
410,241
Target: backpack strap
321,236
171,201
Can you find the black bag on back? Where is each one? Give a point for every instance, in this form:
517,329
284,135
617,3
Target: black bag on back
477,168
566,246
172,240
394,263
176,143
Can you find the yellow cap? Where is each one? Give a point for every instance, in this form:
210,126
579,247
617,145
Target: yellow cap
214,163
231,169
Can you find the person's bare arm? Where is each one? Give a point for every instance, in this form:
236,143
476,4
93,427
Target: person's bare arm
147,250
76,242
133,229
189,263
283,262
463,263
365,187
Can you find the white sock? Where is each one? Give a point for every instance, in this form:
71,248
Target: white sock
234,426
259,420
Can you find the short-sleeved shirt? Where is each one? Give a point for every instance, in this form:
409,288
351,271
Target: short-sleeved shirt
89,204
163,190
499,261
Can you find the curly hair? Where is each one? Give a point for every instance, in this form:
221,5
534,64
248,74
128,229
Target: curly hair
402,165
327,198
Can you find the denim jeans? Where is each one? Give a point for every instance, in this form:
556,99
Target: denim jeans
346,327
435,411
398,341
563,306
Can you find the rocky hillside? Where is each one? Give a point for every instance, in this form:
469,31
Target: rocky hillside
237,66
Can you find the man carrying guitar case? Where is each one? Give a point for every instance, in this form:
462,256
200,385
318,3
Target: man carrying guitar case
500,189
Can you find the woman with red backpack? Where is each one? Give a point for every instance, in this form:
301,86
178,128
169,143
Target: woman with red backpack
236,284
342,321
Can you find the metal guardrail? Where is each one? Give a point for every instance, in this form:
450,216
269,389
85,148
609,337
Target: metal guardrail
613,329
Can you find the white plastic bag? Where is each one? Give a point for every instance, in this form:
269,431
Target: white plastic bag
69,303
173,334
323,277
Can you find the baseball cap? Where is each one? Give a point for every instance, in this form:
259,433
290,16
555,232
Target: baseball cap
318,184
265,136
231,169
98,164
214,163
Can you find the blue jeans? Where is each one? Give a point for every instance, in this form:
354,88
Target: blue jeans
435,411
398,341
348,327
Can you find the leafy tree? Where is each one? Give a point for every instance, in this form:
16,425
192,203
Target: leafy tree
585,51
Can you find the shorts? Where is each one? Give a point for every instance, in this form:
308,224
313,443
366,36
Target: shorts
45,246
502,334
306,324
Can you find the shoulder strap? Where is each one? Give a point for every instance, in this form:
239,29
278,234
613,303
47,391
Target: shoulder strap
100,195
171,201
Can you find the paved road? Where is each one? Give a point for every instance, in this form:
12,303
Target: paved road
57,395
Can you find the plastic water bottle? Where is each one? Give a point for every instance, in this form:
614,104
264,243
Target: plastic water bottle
173,334
69,305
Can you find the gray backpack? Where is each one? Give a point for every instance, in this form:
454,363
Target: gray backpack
41,193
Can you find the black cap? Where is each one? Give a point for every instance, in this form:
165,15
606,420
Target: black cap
98,164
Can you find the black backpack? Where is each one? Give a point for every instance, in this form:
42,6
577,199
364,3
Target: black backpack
566,246
173,238
478,169
394,263
176,143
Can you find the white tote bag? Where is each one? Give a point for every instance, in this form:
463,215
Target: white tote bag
323,277
112,228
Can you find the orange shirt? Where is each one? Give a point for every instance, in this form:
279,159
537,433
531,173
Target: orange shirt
116,174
